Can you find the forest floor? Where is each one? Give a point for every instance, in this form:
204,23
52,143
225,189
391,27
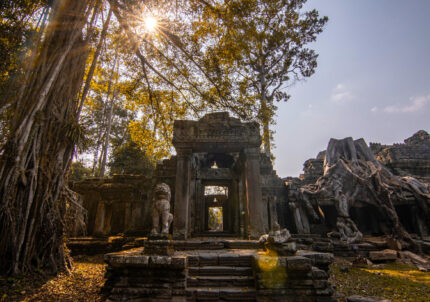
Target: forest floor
83,283
394,281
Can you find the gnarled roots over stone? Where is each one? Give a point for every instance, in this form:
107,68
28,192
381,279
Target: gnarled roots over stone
351,175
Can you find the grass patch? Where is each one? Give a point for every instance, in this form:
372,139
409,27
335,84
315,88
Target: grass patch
396,282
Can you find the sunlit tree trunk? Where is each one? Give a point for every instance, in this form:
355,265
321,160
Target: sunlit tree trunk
108,119
90,74
38,151
107,136
265,113
96,151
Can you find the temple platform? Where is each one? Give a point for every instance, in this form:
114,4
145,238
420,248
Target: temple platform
217,270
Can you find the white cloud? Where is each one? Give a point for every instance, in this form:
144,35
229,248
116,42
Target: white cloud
415,104
340,86
374,109
341,94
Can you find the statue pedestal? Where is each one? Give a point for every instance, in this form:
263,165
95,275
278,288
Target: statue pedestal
282,249
158,245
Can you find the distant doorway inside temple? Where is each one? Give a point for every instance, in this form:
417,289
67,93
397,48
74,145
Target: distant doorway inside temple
216,209
215,219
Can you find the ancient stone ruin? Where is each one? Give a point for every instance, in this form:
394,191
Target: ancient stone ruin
218,168
215,222
352,189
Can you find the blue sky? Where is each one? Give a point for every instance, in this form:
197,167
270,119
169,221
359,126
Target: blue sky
372,80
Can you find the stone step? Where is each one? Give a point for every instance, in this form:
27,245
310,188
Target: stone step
216,244
221,281
227,259
221,294
220,271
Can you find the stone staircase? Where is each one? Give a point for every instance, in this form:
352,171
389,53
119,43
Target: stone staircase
220,277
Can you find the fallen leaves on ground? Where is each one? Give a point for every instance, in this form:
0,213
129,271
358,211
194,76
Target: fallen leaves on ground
83,283
393,281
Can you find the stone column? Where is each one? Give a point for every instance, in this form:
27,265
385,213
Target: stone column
300,219
273,213
182,194
99,222
128,218
256,208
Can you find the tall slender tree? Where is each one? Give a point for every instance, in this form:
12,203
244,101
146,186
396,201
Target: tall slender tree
260,48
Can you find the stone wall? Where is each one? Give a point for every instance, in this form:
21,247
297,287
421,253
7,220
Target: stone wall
412,158
120,204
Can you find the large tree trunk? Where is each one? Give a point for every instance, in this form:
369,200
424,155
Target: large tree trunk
40,146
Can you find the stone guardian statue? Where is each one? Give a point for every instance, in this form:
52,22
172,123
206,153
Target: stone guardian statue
161,210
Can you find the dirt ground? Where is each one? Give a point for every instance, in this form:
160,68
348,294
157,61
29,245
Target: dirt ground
394,281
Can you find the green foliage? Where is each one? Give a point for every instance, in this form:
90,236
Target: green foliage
130,159
17,34
78,172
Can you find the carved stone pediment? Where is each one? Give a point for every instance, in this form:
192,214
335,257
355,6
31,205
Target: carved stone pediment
216,131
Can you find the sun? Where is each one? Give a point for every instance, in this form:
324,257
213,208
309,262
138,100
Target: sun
150,23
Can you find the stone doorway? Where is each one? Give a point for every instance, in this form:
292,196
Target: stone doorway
218,150
216,205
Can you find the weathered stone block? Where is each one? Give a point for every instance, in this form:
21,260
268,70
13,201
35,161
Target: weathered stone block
325,292
318,274
321,284
384,255
157,261
356,298
179,262
297,263
229,259
193,260
208,259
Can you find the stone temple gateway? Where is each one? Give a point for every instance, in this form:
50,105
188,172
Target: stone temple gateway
218,152
218,173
